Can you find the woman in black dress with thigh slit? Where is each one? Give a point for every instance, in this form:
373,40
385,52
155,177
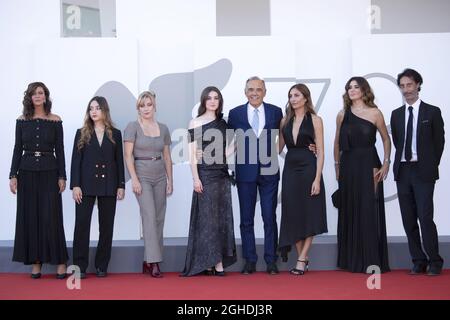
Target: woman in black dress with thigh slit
303,205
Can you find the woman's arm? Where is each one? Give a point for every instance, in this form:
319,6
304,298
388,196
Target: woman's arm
198,186
75,170
169,169
59,153
381,126
281,142
17,155
336,151
129,160
320,154
119,166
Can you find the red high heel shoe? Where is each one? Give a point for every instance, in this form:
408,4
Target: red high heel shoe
147,267
155,272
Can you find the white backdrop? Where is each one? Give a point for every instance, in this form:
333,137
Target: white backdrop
320,39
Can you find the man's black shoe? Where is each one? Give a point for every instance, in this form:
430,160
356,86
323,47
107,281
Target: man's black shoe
272,268
418,269
249,268
100,273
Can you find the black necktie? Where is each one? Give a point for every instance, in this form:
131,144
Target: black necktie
409,132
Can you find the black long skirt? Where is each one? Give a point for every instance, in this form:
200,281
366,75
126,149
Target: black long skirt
211,229
39,222
302,215
362,239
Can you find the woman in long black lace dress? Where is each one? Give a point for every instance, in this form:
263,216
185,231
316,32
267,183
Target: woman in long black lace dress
303,205
38,176
362,240
211,244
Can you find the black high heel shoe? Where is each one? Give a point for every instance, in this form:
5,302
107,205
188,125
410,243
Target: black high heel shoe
208,272
300,272
61,276
219,273
39,274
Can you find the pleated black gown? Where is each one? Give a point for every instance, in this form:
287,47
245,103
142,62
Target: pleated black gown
362,240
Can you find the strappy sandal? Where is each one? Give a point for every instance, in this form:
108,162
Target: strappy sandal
299,272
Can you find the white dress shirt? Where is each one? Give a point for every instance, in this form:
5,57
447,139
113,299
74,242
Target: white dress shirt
415,113
261,114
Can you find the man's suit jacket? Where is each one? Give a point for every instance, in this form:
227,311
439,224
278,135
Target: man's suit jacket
98,170
238,119
430,139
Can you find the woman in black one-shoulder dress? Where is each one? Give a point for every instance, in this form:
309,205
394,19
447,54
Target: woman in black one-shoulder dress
211,245
362,240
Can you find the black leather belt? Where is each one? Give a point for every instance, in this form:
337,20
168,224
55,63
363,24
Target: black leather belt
148,158
38,153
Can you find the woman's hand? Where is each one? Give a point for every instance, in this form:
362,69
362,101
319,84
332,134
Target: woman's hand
381,174
336,169
198,186
62,185
120,193
315,188
136,185
312,148
13,185
169,188
77,195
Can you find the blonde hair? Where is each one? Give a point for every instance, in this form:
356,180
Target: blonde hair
144,95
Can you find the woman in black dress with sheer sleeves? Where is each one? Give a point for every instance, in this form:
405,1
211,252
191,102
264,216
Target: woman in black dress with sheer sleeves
362,240
38,177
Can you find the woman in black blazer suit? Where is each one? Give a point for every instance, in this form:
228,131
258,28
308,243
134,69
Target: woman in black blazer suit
97,173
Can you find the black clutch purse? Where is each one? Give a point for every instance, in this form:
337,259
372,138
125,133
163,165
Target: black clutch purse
336,199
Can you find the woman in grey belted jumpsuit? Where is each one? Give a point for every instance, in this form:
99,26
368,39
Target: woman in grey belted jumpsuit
147,155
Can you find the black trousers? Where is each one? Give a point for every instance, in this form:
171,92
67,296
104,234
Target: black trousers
106,213
416,203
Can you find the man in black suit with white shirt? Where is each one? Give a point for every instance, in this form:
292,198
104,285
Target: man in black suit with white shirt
418,136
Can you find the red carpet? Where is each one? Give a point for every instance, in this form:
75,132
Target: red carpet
234,286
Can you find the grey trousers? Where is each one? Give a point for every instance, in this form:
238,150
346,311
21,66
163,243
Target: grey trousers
152,204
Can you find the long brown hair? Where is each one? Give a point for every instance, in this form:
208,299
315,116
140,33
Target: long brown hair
88,127
204,97
367,94
28,107
309,107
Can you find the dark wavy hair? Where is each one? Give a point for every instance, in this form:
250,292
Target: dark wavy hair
309,107
88,127
367,94
204,97
28,107
412,74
